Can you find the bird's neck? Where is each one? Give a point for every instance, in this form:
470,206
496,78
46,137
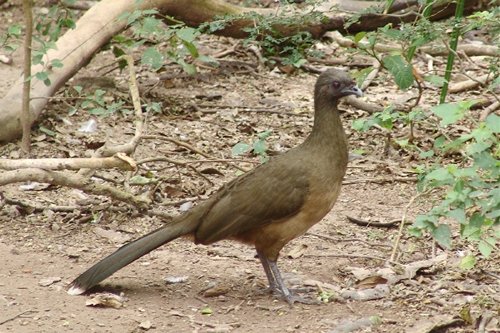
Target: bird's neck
327,129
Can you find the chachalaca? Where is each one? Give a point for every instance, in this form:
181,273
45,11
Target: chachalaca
266,207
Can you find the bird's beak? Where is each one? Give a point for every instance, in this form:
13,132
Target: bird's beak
352,90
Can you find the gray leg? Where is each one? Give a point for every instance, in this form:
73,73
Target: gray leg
276,283
273,286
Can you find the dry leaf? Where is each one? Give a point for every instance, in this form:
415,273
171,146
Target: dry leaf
106,300
371,282
114,236
216,291
48,281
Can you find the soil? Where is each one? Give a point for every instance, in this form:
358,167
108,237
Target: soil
50,234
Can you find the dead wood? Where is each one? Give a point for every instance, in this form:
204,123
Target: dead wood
120,161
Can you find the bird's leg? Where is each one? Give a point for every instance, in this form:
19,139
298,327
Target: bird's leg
276,283
273,286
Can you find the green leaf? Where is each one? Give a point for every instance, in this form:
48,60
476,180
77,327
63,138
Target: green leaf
150,25
486,246
193,51
47,131
56,63
359,36
450,113
400,69
14,30
187,34
208,59
441,174
435,80
140,180
206,311
239,149
468,262
264,135
361,75
458,214
471,232
359,125
426,154
442,235
482,133
153,58
493,123
477,147
259,147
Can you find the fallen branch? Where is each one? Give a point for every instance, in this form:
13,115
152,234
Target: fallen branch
468,49
71,180
471,84
120,161
364,223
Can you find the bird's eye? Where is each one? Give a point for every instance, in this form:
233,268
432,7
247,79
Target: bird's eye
336,84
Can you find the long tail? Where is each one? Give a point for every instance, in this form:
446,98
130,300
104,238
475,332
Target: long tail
131,252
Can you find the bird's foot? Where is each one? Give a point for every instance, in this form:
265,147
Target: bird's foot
292,298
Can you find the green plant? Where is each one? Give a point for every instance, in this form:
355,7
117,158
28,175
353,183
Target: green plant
466,185
49,28
10,39
149,30
471,189
258,147
275,46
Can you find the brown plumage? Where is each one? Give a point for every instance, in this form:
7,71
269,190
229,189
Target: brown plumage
266,207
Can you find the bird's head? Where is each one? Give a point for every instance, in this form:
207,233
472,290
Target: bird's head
334,84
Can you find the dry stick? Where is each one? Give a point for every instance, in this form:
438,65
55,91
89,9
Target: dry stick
358,256
401,226
71,180
187,146
252,109
370,77
380,180
129,147
16,316
469,49
120,161
337,240
364,223
26,111
470,84
486,112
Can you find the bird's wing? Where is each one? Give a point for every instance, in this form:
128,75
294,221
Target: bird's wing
271,192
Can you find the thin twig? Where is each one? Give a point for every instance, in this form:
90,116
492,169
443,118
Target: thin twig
187,146
364,223
401,226
346,255
340,239
16,316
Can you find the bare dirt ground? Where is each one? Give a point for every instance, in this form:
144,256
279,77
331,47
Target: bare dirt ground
43,247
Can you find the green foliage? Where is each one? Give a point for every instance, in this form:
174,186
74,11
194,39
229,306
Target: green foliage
472,194
47,30
10,39
276,47
469,186
180,41
258,147
97,103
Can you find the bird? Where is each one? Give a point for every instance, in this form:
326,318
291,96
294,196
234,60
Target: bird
266,207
